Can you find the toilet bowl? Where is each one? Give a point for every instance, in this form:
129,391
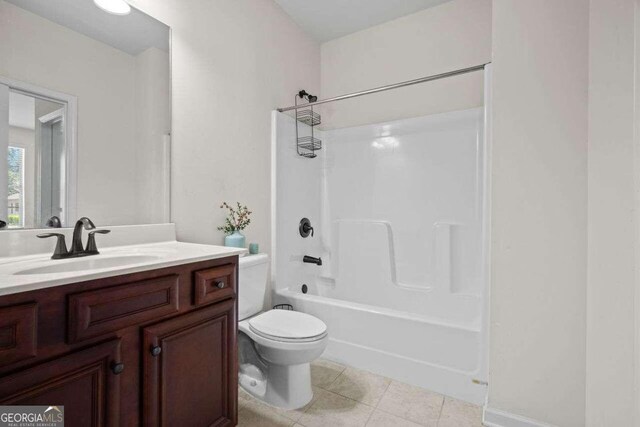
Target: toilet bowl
275,347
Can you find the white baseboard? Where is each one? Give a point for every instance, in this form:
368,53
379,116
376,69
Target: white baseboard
497,418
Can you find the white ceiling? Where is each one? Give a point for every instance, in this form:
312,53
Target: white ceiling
22,111
325,20
131,33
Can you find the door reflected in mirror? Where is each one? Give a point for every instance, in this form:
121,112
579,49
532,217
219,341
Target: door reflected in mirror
36,190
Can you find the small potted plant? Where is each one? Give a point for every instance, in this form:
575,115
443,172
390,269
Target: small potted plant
236,221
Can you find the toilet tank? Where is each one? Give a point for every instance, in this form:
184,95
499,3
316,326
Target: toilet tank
252,284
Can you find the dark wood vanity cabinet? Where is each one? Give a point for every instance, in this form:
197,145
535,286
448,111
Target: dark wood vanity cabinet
81,381
155,348
197,344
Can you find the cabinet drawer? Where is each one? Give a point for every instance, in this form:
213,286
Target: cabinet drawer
94,313
214,284
18,332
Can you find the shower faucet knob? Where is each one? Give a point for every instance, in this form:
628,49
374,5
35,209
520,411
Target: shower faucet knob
305,227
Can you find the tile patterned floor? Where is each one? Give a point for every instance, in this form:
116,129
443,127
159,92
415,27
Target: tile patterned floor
349,397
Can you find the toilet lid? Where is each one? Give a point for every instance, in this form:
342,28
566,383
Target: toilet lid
287,324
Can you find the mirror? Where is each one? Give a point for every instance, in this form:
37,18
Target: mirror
85,115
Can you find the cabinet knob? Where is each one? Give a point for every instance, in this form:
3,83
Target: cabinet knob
156,350
117,368
220,285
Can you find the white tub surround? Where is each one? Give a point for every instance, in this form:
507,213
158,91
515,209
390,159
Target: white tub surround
399,217
158,249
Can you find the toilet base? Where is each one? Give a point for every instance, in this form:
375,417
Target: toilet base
287,387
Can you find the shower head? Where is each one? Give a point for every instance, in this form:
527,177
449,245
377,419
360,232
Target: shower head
304,94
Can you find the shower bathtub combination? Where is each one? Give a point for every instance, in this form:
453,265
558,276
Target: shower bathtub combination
399,221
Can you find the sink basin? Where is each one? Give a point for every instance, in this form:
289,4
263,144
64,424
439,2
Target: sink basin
89,263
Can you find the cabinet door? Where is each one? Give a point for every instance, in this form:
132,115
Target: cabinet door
190,369
84,382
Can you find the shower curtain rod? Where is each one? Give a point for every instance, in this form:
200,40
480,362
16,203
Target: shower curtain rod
389,87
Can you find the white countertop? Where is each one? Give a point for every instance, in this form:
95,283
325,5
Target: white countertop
149,256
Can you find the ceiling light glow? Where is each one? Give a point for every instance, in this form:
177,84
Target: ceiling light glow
387,142
115,7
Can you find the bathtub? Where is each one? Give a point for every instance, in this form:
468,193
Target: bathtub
441,356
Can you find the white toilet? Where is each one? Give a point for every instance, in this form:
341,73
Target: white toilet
275,347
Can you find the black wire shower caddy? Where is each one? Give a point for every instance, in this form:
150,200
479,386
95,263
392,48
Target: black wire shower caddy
307,146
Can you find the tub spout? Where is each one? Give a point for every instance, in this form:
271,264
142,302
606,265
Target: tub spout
312,260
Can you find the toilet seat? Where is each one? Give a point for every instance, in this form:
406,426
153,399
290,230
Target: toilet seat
288,326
